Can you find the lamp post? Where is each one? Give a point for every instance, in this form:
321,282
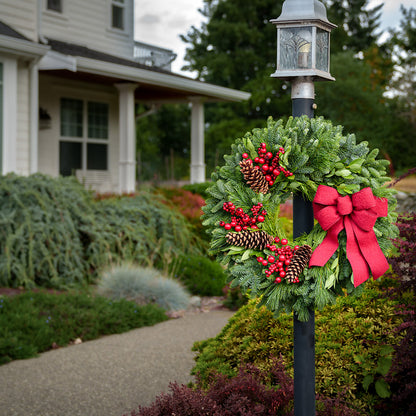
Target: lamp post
303,34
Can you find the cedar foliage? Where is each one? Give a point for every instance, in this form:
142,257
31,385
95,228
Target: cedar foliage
54,234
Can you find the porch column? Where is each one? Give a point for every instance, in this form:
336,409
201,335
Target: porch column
9,136
197,141
127,138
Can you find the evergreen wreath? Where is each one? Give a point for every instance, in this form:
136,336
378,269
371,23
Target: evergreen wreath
264,169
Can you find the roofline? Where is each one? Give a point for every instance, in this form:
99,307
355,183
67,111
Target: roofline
21,47
139,75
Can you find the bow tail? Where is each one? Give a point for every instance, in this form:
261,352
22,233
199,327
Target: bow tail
327,248
371,251
354,255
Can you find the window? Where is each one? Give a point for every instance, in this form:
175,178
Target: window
84,136
117,14
55,5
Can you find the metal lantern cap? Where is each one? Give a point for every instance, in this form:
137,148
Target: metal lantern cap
303,34
296,11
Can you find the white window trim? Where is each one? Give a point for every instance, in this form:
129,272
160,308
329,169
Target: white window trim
85,140
123,6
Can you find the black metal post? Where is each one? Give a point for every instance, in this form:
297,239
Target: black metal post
303,332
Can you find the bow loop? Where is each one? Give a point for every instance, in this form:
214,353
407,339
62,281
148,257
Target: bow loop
357,215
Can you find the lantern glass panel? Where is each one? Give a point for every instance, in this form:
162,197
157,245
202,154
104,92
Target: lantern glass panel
295,48
322,50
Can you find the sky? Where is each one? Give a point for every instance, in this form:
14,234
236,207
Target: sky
160,22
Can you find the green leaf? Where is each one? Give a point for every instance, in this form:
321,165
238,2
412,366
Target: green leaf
384,364
246,255
386,350
368,379
330,282
382,389
343,172
355,165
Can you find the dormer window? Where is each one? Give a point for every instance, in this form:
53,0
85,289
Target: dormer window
54,5
117,14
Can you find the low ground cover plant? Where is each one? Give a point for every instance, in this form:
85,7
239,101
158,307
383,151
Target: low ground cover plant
143,285
34,322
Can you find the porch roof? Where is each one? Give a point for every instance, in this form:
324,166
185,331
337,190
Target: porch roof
155,85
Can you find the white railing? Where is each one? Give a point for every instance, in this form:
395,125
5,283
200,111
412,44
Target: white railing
153,55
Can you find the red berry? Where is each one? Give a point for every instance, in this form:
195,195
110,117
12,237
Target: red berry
269,155
268,178
238,228
265,168
256,160
264,262
261,161
245,155
282,257
271,183
296,248
277,240
279,264
259,259
284,241
278,280
263,144
271,259
227,226
282,274
260,218
287,262
275,172
222,223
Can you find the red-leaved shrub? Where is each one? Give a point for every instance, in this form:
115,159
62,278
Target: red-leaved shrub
252,392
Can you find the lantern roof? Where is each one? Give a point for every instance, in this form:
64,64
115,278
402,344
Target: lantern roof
303,10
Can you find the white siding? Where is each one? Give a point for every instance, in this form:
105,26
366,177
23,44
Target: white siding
23,121
88,23
51,90
21,15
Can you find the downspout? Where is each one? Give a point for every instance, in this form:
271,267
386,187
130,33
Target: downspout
33,115
42,39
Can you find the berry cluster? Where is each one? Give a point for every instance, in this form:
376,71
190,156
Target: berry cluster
268,163
240,220
279,261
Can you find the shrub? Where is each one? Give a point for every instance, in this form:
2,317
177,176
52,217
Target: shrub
34,322
353,340
249,393
402,375
54,234
143,286
188,204
199,274
40,242
198,188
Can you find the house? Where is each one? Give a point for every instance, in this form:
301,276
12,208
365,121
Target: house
69,81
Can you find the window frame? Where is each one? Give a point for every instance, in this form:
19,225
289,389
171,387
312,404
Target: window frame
120,4
85,140
54,10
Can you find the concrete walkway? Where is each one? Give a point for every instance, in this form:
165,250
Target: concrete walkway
109,376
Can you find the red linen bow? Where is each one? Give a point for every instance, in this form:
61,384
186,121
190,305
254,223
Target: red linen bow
357,214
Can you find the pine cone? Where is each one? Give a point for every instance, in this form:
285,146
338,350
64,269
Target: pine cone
254,178
299,261
250,239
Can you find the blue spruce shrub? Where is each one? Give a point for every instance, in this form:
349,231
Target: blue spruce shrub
143,285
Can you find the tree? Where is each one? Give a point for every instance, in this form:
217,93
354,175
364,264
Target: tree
236,48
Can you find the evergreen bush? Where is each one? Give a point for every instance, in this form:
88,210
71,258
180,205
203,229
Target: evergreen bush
354,340
144,286
199,274
55,234
198,188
